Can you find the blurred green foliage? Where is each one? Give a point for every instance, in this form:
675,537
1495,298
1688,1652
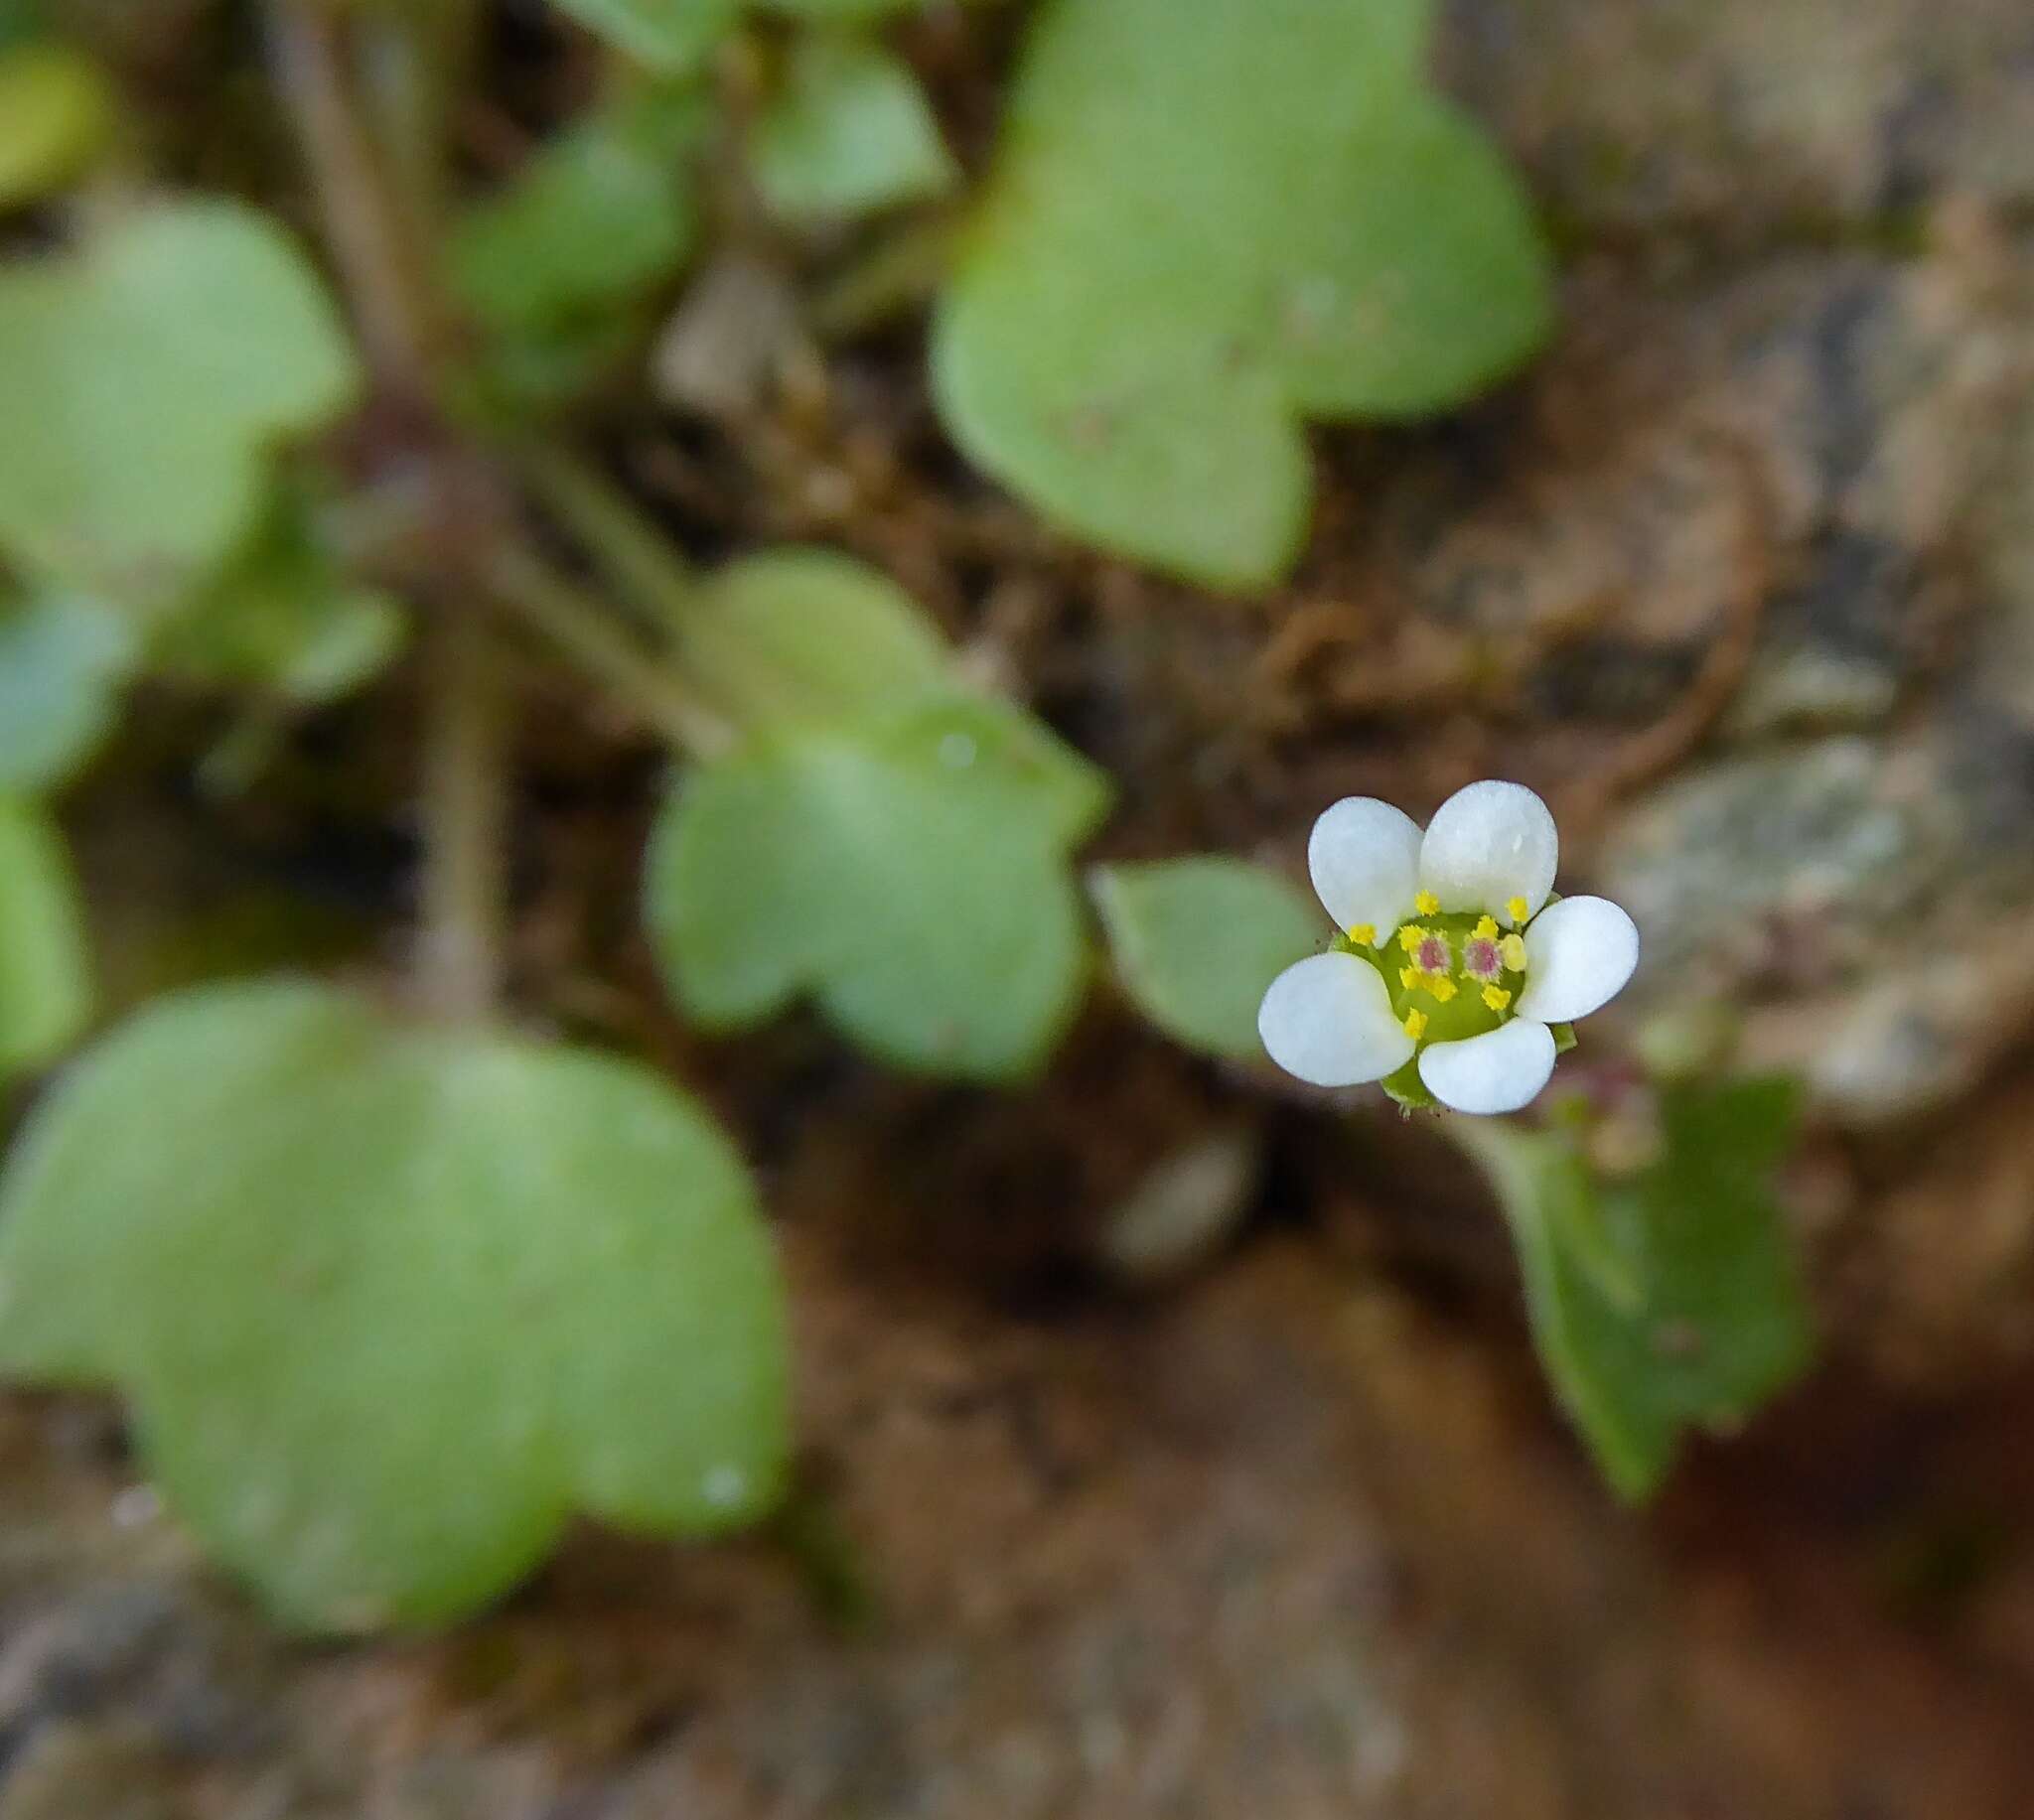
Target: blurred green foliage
1197,941
391,1302
56,115
1668,1301
875,835
847,131
394,1295
1170,272
44,977
63,660
159,365
601,213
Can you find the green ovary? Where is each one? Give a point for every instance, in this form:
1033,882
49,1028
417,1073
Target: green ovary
1449,1019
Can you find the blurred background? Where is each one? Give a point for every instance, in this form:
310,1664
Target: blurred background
1169,1440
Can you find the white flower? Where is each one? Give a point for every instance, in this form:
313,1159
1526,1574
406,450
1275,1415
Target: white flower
1453,953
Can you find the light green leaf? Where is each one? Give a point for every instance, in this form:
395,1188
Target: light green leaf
1205,225
55,115
391,1302
284,617
671,35
675,36
1666,1302
800,637
848,11
44,974
62,661
847,131
158,367
1197,941
599,214
908,869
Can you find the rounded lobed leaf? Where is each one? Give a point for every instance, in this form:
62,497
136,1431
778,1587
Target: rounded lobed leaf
158,366
802,637
1205,225
1198,941
391,1302
905,868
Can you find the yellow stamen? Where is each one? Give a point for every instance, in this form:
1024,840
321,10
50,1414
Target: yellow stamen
1364,934
1513,948
1415,1024
1428,904
1411,937
1442,988
1486,928
1496,997
1517,910
1408,977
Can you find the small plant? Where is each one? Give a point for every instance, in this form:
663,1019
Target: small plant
394,1285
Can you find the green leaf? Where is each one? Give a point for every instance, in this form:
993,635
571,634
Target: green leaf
1206,225
848,11
55,115
44,974
675,36
1666,1302
62,661
802,636
601,213
671,35
21,21
907,869
1197,941
848,131
391,1302
284,617
159,367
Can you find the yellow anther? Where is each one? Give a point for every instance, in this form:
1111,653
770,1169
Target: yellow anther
1364,934
1408,977
1415,1024
1411,937
1513,949
1442,988
1496,997
1486,928
1428,904
1517,910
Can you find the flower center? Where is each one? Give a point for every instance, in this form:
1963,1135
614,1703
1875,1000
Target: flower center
1451,976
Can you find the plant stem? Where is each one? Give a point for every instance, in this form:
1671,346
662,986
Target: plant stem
523,584
380,270
377,246
639,562
465,823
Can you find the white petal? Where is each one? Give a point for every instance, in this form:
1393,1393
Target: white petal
1487,844
1578,955
1328,1019
1363,854
1497,1072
